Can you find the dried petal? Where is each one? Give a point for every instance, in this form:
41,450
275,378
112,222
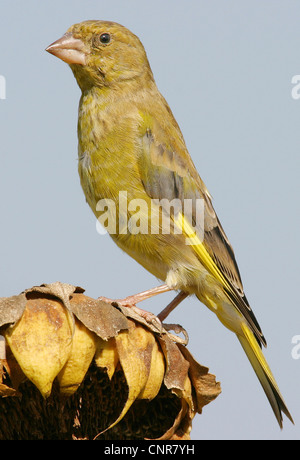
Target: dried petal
134,348
205,385
11,366
156,374
41,341
100,317
177,365
169,434
7,391
11,308
106,356
84,343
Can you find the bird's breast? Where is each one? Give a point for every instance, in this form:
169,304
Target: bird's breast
108,144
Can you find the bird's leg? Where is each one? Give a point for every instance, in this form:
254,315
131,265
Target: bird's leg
132,300
176,301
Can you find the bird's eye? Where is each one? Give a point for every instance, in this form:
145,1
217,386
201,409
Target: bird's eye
105,38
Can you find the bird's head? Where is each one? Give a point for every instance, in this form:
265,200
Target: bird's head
101,53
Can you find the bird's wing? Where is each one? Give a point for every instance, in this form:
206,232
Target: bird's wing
167,171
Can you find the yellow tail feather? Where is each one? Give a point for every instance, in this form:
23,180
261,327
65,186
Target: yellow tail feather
263,372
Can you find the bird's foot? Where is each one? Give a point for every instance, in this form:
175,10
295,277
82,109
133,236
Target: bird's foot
147,316
131,301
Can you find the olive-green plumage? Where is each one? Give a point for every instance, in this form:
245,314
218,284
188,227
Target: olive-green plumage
130,141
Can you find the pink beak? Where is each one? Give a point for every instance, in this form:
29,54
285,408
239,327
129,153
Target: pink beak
69,49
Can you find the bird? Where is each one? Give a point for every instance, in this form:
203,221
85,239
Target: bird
131,148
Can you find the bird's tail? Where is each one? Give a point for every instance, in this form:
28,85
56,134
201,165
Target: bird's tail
263,372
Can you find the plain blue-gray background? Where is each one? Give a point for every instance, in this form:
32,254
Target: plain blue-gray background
225,67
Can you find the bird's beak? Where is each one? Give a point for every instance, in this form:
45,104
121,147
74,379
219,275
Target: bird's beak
69,49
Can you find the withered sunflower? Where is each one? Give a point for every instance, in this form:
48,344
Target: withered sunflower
79,368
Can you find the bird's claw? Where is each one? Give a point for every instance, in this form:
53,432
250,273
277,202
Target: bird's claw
146,315
149,317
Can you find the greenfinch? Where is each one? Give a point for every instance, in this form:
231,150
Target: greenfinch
131,150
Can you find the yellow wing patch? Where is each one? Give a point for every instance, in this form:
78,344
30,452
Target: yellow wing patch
199,248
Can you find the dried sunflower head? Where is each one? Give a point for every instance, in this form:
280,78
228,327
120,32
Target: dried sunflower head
77,367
